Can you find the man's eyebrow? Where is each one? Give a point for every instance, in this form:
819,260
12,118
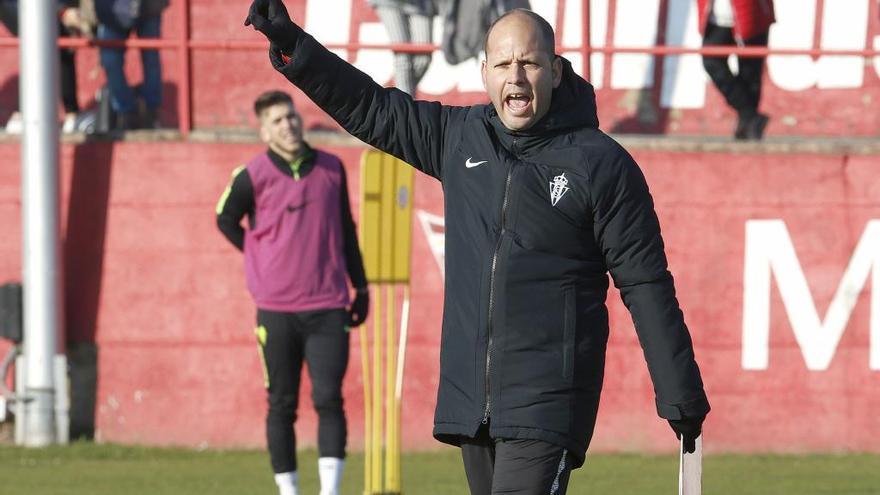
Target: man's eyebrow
525,59
502,58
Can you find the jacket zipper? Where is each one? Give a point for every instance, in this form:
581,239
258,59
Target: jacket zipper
492,289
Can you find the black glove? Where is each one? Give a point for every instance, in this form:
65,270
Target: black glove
357,314
690,428
270,17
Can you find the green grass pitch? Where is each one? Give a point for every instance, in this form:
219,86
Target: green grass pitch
93,469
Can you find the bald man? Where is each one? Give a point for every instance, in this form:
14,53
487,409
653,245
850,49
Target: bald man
540,206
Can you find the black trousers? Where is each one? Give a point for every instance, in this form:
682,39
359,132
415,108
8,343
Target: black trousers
286,340
67,76
742,91
514,467
67,61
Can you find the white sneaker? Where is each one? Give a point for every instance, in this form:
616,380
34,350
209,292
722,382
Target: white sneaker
85,121
288,483
330,473
69,124
15,124
79,122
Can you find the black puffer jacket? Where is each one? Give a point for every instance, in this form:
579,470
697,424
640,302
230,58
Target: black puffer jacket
534,221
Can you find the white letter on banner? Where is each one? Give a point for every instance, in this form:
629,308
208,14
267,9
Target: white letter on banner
844,27
378,64
329,21
546,9
684,79
634,70
769,250
572,32
877,58
794,28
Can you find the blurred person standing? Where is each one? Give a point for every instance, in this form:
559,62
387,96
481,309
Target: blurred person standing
407,21
71,22
740,23
465,23
300,246
117,19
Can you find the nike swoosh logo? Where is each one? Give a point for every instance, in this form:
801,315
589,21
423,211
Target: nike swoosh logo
291,209
470,164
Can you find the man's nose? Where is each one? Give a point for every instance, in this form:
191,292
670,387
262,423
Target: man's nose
516,74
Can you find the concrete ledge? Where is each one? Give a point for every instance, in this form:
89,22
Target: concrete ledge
772,145
684,144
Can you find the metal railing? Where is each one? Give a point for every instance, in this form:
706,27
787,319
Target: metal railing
185,45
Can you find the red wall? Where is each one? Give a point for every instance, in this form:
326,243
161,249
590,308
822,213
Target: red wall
150,279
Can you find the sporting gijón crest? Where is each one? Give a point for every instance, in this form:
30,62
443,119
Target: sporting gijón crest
558,188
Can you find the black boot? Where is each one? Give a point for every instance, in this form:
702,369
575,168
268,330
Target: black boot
150,119
128,121
755,129
750,126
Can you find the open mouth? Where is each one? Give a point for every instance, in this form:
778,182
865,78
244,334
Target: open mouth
517,103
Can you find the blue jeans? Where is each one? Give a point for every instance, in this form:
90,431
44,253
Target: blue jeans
122,97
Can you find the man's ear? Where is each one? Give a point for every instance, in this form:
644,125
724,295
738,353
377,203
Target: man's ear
264,134
556,69
483,72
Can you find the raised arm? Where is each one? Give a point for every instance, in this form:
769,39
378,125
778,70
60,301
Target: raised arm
386,118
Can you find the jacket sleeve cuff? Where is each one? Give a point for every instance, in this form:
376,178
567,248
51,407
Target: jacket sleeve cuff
279,59
286,58
694,408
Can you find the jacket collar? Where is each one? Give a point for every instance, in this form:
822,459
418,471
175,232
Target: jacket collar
299,167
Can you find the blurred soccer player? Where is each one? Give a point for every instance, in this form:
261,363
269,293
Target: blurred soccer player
540,205
299,248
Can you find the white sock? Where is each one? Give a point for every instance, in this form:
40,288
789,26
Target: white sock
287,483
330,473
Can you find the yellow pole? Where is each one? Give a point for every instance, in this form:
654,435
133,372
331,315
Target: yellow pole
365,370
377,396
365,353
398,381
385,220
391,484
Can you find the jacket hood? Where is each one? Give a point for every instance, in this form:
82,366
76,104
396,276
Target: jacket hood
573,105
